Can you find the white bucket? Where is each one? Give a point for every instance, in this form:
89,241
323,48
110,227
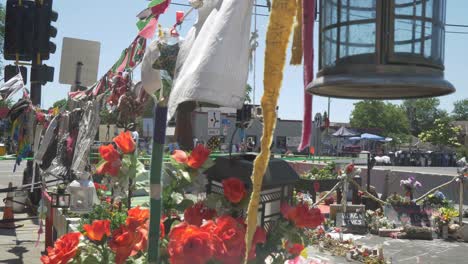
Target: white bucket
19,201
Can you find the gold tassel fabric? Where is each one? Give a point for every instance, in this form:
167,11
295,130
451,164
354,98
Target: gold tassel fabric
296,50
277,38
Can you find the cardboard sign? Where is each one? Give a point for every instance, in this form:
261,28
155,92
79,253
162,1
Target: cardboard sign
412,214
352,222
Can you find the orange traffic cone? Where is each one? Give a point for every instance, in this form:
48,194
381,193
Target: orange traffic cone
8,216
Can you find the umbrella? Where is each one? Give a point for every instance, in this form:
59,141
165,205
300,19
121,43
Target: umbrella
355,138
344,132
371,137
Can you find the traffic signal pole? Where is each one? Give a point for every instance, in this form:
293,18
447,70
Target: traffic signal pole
36,86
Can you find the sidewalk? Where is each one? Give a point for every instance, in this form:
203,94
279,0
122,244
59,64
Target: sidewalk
18,245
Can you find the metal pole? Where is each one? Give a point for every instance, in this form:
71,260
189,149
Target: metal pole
460,203
79,66
368,171
36,85
159,134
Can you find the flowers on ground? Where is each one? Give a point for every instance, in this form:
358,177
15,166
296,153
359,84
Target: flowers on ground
234,190
64,249
294,249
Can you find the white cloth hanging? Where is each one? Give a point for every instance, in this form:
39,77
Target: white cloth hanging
214,59
12,86
150,77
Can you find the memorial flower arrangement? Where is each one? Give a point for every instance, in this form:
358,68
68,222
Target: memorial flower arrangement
409,185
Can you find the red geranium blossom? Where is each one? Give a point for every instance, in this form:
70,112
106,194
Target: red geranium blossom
64,249
195,214
302,215
98,186
97,230
190,244
198,156
125,142
234,190
112,163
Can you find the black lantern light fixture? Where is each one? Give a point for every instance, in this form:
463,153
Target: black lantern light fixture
278,183
60,198
381,49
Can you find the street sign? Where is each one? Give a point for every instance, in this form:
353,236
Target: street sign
214,119
213,132
80,58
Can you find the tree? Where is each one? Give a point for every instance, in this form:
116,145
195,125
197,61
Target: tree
248,92
460,110
60,103
421,114
443,133
378,114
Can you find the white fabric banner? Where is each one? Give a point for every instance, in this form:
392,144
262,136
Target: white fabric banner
11,87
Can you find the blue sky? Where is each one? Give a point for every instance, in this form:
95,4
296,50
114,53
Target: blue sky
112,22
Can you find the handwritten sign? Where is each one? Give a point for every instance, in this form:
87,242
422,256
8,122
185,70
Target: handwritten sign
352,222
412,214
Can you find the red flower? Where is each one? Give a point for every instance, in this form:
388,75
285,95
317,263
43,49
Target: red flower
190,244
112,163
180,156
97,230
98,186
125,142
198,156
302,216
195,214
294,249
234,190
349,168
137,217
232,233
64,249
162,230
127,241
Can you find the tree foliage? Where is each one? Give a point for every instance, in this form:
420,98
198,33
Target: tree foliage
460,110
443,133
421,114
378,114
248,92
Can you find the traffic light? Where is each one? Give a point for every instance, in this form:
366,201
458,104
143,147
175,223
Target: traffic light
12,70
44,31
19,30
42,74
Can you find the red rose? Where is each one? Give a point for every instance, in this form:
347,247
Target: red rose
234,190
195,214
137,217
127,241
180,156
190,244
97,230
232,233
64,249
125,142
112,163
302,216
198,156
294,249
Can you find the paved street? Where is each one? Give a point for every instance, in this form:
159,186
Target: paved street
426,170
17,245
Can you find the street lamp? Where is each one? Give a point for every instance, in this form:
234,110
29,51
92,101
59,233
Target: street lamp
381,49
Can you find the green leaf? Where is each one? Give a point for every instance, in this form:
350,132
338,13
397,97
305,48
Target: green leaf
186,203
90,259
177,197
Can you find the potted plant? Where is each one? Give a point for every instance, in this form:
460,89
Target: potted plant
446,214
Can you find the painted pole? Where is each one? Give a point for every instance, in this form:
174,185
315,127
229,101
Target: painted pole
159,134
